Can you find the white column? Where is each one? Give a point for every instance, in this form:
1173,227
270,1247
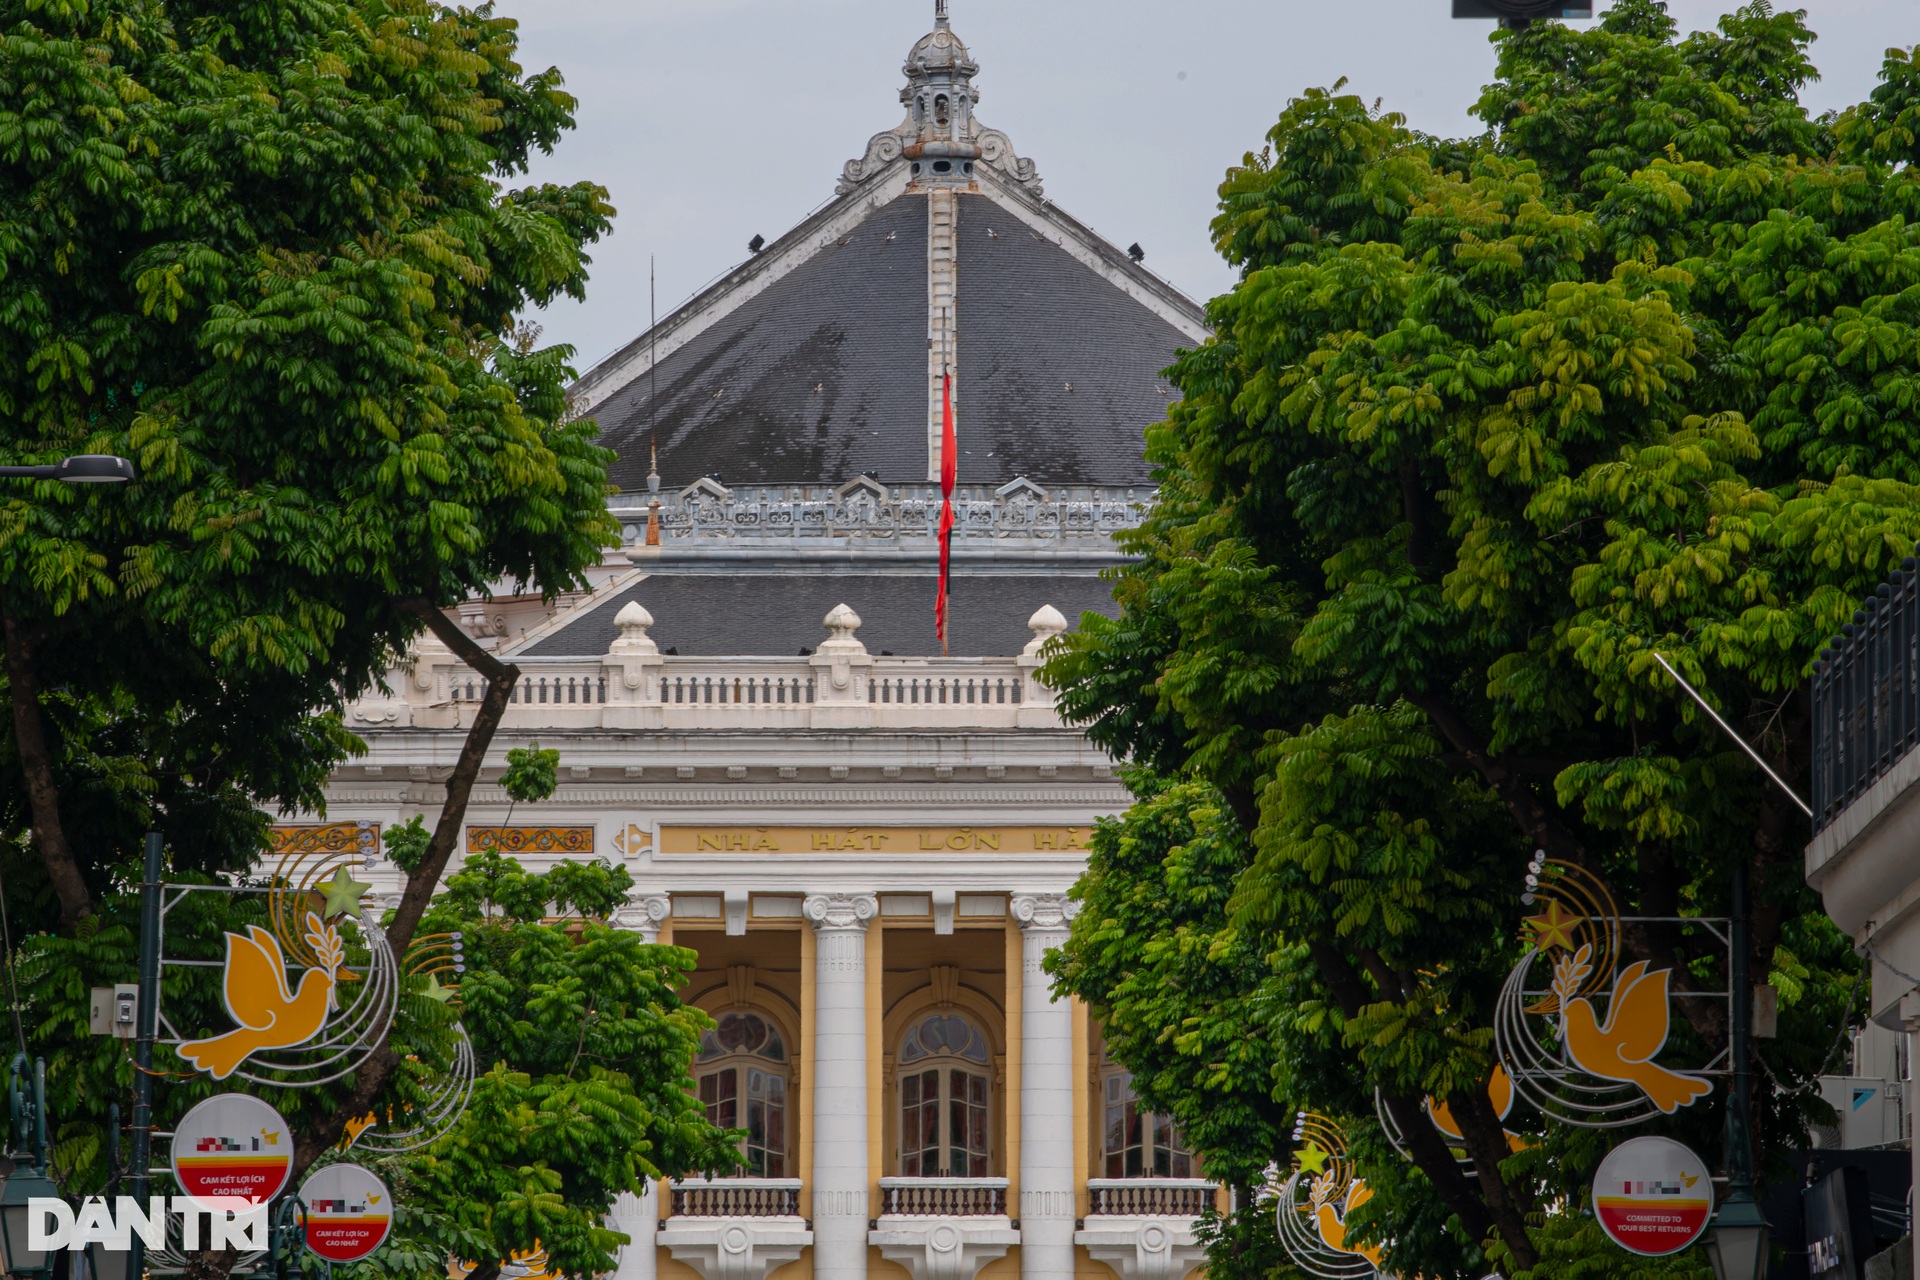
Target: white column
839,1068
1046,1095
639,1216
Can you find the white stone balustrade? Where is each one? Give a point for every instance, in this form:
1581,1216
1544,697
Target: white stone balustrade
1143,1227
635,686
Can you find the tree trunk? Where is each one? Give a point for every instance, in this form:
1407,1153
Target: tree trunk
1539,825
1424,1143
36,762
424,879
1486,1143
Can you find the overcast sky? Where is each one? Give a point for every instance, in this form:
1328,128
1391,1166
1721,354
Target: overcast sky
712,120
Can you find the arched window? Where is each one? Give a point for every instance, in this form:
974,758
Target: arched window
1139,1143
945,1075
742,1072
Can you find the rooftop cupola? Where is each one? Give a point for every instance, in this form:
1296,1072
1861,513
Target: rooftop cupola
939,99
940,137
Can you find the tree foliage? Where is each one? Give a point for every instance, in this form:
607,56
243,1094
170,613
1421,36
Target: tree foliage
1484,426
268,251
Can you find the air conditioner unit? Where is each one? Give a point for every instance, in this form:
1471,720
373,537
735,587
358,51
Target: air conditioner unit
1870,1112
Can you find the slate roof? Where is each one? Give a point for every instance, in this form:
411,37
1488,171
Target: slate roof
821,376
716,616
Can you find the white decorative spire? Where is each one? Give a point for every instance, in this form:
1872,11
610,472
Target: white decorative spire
940,136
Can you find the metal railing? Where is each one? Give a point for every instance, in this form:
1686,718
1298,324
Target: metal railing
1149,1197
1866,695
944,1197
736,1198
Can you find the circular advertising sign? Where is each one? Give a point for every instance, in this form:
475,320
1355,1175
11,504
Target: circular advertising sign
349,1212
232,1152
1652,1196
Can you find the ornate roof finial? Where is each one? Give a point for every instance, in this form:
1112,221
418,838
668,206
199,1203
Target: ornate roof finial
940,135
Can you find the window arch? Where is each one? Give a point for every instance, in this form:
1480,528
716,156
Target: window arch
1138,1143
945,1082
743,1071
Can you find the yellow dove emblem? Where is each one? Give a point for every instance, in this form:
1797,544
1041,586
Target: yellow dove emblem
1622,1048
270,1014
1332,1225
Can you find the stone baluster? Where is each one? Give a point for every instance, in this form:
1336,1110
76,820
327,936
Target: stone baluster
633,668
1046,1094
1036,700
840,1120
841,669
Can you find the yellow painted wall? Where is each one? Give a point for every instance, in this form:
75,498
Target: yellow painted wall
668,1267
800,1268
878,1268
1007,1268
1085,1268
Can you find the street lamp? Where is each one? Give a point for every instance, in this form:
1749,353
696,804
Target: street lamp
28,1181
81,468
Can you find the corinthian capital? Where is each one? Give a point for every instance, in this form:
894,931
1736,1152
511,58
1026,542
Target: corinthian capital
841,911
1044,911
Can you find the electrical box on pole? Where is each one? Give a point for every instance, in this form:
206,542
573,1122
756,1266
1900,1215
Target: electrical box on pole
112,1010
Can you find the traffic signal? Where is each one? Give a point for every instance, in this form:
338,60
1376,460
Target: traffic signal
1518,13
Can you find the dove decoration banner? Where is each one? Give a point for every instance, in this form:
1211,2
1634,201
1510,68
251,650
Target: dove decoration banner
1652,1196
1577,1032
311,989
232,1152
348,1212
1315,1201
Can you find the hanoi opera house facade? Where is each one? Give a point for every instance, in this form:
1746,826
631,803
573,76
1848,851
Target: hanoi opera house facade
868,846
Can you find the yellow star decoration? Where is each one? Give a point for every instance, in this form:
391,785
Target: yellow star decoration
1312,1159
437,992
343,894
1555,928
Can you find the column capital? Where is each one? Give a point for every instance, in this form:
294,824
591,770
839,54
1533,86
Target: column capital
841,912
1044,911
643,912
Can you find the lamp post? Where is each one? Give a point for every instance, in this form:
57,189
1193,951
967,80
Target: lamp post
1737,1243
27,1101
81,468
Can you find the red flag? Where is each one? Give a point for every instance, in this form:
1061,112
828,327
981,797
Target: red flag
949,466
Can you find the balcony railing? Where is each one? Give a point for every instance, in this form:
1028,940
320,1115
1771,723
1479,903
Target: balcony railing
944,1197
1866,696
736,1198
1149,1197
724,693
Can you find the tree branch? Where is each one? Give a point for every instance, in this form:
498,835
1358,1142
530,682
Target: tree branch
424,879
36,762
1409,1114
1486,1143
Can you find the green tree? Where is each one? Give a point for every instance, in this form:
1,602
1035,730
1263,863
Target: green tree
268,252
1484,426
